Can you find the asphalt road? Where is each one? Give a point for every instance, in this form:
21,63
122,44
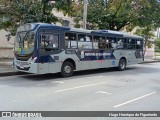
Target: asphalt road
136,89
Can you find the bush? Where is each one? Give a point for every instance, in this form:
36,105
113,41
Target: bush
157,50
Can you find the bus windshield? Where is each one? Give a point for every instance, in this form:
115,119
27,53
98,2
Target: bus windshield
24,42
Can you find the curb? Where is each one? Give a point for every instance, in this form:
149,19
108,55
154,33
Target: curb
11,74
144,62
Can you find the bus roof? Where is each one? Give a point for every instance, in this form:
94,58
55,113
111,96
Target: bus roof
118,33
105,32
80,30
47,25
99,32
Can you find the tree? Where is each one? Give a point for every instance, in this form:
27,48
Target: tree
77,13
111,15
26,11
64,5
157,44
117,14
148,35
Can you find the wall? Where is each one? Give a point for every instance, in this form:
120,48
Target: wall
6,48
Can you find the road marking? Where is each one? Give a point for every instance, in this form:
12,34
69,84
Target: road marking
80,87
57,82
103,92
134,100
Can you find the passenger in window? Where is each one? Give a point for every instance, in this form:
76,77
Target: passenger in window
95,44
120,44
44,42
113,44
106,44
88,39
107,41
100,42
82,39
53,41
87,44
67,42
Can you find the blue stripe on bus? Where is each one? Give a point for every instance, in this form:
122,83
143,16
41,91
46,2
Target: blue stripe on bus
45,59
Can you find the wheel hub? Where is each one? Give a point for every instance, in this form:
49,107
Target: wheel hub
67,69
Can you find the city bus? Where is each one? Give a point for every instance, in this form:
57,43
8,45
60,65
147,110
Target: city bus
42,48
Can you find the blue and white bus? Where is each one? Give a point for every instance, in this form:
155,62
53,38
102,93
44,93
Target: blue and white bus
42,48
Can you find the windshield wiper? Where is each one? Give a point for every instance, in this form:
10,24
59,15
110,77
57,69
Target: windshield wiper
23,37
26,35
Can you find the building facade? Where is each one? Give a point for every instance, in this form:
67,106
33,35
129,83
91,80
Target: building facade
6,47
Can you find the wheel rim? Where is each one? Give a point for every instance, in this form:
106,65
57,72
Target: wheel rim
122,64
67,69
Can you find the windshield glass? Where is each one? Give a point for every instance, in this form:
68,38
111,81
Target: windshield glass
24,43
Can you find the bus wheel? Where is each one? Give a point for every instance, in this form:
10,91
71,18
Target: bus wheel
67,69
122,65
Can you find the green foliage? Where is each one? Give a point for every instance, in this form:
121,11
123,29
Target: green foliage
157,50
64,5
26,11
157,44
21,12
77,13
147,34
149,13
119,14
113,15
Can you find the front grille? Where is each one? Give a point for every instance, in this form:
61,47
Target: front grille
25,68
21,62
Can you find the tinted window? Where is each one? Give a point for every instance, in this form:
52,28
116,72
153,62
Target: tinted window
112,42
84,41
70,40
49,40
131,44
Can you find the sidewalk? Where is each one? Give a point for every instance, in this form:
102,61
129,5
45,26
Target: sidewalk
151,59
7,70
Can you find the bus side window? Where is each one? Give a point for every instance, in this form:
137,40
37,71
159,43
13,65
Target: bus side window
95,42
107,43
53,41
84,41
138,44
122,43
43,40
112,42
125,43
88,42
49,41
70,40
102,42
131,44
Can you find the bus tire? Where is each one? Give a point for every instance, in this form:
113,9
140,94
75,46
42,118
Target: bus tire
67,69
122,65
